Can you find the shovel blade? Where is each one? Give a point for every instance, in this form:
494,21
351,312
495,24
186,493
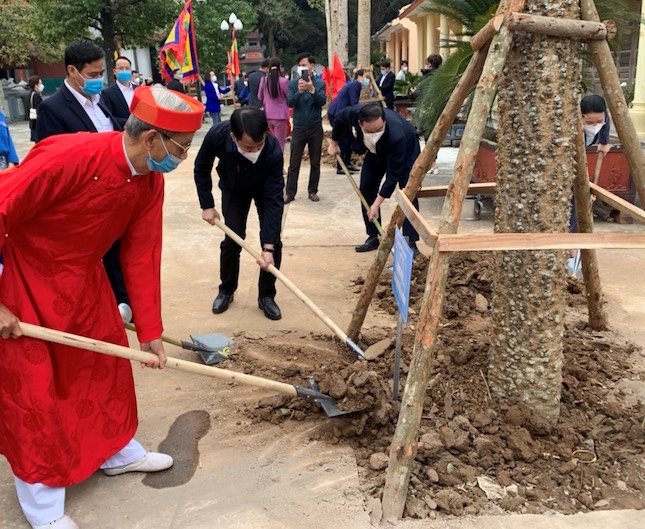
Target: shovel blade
215,347
329,404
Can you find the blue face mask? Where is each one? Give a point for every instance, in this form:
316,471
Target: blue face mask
124,76
168,164
92,86
365,82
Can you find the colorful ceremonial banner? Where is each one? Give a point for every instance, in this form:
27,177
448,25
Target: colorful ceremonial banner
180,50
233,66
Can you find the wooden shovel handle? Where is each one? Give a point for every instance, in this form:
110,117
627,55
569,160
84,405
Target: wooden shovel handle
596,173
299,294
89,344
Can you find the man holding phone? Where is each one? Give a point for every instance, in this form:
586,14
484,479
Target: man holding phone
307,96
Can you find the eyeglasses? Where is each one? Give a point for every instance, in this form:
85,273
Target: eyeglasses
184,148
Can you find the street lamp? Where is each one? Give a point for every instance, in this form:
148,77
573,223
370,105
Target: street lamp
233,66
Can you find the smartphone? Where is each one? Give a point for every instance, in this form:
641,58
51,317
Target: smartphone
304,75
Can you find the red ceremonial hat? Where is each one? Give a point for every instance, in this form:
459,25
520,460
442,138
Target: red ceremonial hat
146,109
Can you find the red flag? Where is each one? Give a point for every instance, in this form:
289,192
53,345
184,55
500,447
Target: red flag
326,77
338,78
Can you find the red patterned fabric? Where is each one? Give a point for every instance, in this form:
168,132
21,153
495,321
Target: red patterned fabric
64,411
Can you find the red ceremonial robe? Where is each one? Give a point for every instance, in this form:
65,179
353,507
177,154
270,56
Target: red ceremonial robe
64,411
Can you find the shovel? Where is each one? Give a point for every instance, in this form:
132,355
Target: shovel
213,348
299,294
329,404
360,195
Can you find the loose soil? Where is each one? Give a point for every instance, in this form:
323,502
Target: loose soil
475,455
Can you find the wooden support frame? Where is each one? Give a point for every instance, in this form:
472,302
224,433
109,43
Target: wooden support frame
616,202
415,218
559,27
486,188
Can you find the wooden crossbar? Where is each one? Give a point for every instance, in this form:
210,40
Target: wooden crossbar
484,188
616,202
538,241
423,228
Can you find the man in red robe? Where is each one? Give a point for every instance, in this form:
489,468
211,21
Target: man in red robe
66,412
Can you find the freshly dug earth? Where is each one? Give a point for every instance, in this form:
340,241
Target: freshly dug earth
475,455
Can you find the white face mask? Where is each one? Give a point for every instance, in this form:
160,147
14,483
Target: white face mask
250,156
370,139
592,130
40,87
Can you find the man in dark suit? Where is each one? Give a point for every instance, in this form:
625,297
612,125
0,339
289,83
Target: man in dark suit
348,96
238,86
76,107
118,97
392,147
254,83
386,84
175,84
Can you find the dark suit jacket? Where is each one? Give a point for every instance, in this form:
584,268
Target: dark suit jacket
113,99
387,88
63,114
254,86
176,86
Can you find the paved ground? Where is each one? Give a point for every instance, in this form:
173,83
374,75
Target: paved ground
239,474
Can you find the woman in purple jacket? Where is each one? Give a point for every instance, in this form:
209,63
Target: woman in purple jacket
273,94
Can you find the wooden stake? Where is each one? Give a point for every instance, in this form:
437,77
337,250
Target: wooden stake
613,92
598,319
404,443
557,27
419,170
616,202
485,188
415,218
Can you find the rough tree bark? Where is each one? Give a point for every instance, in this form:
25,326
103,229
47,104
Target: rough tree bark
538,109
340,31
363,34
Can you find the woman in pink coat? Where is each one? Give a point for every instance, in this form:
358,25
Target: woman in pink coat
273,94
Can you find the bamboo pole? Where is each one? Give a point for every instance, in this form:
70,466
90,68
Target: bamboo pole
419,170
557,27
613,92
404,442
598,319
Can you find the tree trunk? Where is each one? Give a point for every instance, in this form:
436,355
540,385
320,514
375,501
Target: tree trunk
340,30
108,44
330,40
536,148
363,59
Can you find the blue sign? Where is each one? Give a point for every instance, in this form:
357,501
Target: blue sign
401,273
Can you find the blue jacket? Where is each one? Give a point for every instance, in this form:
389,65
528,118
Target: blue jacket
307,107
7,147
396,151
212,101
346,97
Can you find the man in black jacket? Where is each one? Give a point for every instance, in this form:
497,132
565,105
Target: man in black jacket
249,168
254,83
175,84
386,84
117,98
392,147
77,107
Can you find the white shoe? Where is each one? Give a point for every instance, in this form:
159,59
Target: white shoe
62,523
151,462
126,312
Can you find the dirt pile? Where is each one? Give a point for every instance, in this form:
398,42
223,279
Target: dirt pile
475,455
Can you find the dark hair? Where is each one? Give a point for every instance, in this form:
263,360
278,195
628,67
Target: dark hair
250,121
404,62
304,55
125,59
265,63
385,63
82,52
371,112
434,60
175,71
360,72
273,77
33,82
593,103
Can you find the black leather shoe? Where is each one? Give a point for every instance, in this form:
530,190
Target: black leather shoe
415,250
370,244
288,198
353,169
271,310
221,303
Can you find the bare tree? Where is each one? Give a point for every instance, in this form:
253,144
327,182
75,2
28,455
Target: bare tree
364,34
538,107
339,30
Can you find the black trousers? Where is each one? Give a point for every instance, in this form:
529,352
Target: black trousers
345,142
371,175
301,136
235,208
112,265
